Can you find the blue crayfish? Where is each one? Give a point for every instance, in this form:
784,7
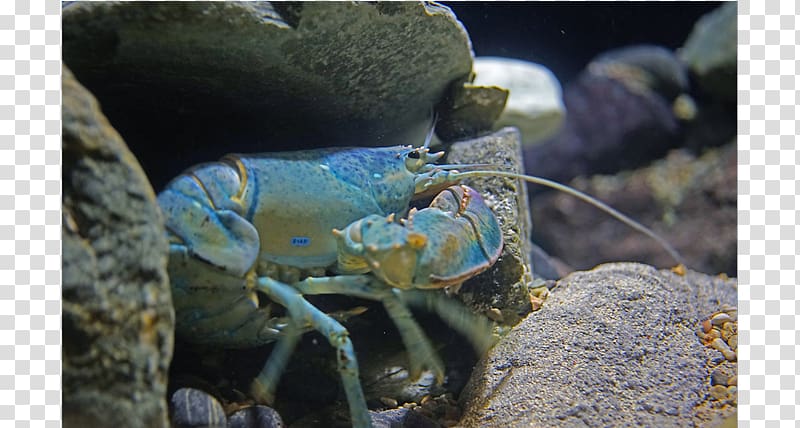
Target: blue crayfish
327,221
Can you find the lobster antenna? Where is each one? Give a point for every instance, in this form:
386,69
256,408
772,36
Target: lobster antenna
465,166
586,198
429,137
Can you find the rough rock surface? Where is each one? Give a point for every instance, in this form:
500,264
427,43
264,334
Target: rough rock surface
210,78
117,310
504,286
614,346
688,200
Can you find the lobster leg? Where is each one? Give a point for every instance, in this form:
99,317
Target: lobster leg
420,350
477,329
304,313
264,386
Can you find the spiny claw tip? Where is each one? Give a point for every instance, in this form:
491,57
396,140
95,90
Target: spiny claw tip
390,218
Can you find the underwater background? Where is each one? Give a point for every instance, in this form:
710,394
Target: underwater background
598,322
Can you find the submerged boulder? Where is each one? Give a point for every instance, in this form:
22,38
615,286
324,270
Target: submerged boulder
208,78
614,346
117,308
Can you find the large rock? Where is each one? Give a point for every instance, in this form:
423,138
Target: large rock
687,199
117,310
207,78
615,346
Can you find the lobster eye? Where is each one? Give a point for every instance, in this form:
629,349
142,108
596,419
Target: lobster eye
414,161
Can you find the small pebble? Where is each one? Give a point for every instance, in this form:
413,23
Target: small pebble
706,326
732,381
541,292
730,310
256,417
389,402
723,347
195,408
729,328
536,303
719,392
680,269
732,396
719,378
716,360
733,341
495,314
720,319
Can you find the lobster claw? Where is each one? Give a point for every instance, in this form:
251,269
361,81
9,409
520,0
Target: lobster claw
452,240
464,237
221,238
466,202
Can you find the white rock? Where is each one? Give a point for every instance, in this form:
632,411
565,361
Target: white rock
535,104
